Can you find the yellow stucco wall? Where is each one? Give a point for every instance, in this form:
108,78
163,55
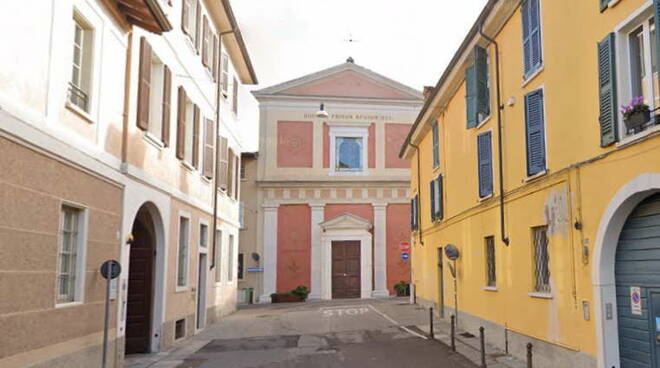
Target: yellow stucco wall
571,191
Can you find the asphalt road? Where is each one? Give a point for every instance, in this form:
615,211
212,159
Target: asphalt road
359,333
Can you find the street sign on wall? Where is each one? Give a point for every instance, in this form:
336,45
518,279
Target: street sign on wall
635,300
405,256
404,246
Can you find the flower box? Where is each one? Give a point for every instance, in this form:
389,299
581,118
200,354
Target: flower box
286,298
637,119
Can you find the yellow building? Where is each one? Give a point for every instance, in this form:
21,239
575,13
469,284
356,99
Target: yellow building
550,198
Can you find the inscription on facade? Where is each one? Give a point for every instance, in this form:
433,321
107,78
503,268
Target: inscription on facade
354,117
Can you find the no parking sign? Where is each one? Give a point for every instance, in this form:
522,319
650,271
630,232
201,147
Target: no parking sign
635,300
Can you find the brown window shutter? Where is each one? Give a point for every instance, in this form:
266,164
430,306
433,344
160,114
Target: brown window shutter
237,176
223,167
167,97
198,15
184,16
215,58
195,151
234,104
205,44
209,143
230,174
144,85
181,124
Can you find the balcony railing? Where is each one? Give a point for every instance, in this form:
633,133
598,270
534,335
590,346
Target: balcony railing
78,97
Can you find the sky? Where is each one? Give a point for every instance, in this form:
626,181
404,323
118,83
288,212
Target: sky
410,41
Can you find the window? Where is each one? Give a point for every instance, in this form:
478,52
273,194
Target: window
243,177
182,257
179,329
477,93
153,108
348,154
241,215
240,266
230,259
225,74
209,148
532,50
188,130
81,69
190,19
70,255
535,131
414,213
491,279
203,235
541,260
436,146
218,255
485,164
234,95
436,198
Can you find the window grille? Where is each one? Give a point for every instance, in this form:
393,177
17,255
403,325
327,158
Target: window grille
182,271
541,260
68,255
490,262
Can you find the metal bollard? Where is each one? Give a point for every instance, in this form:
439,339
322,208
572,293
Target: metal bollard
529,355
453,333
431,323
482,341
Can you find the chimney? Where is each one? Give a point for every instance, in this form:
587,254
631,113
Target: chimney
427,91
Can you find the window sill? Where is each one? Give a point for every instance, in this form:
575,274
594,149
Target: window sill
535,176
490,288
68,305
532,76
540,295
634,138
483,122
348,173
80,112
153,140
612,3
181,289
191,43
483,199
207,180
187,166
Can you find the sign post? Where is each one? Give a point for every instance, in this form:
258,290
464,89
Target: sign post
109,270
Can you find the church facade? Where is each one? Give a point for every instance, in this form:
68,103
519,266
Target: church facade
333,194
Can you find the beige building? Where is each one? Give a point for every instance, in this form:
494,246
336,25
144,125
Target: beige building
110,125
249,258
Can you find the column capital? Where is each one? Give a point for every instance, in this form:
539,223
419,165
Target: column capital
317,206
379,205
270,206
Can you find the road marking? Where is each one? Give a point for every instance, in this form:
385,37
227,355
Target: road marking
350,311
397,323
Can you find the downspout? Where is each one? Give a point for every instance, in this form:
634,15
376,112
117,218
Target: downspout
500,106
218,92
419,196
127,102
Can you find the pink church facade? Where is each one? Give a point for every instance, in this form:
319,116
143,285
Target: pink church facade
333,193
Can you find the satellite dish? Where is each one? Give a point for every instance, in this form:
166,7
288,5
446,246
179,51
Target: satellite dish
452,252
255,257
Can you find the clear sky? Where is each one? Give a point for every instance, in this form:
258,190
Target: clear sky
410,41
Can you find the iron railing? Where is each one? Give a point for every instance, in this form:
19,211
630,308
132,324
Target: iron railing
78,97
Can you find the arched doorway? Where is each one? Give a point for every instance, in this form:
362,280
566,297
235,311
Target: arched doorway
637,275
140,295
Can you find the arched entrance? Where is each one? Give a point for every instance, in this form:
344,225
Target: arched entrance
140,295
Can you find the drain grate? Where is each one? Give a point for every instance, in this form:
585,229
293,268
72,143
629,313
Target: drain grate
251,343
467,334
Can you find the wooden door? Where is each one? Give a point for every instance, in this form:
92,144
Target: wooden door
346,280
138,311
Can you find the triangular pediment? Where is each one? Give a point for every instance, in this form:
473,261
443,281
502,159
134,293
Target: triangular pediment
347,80
346,221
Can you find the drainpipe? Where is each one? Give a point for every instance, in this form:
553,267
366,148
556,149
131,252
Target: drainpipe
419,196
500,107
127,101
218,92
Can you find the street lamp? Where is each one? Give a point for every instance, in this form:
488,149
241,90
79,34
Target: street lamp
322,113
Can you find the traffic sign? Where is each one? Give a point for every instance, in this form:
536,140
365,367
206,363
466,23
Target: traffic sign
635,300
404,246
405,256
110,269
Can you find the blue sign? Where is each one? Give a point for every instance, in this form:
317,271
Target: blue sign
405,256
255,269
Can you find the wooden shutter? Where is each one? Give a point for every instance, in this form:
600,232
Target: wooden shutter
656,12
603,5
535,132
230,173
485,162
185,26
205,42
237,170
215,58
527,42
441,206
144,85
412,214
531,36
607,91
471,96
225,74
181,124
436,145
481,83
234,104
209,145
432,197
198,15
167,97
195,142
223,166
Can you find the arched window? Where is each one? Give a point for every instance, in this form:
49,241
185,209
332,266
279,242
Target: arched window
349,154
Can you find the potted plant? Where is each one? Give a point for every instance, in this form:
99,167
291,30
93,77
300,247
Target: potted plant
401,288
298,294
301,291
636,114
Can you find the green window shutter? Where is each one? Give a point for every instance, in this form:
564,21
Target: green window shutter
440,206
535,129
485,162
603,5
436,146
481,78
432,196
412,215
471,96
656,11
607,91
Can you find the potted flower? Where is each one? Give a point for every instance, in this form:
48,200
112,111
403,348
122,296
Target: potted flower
636,114
401,288
298,294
